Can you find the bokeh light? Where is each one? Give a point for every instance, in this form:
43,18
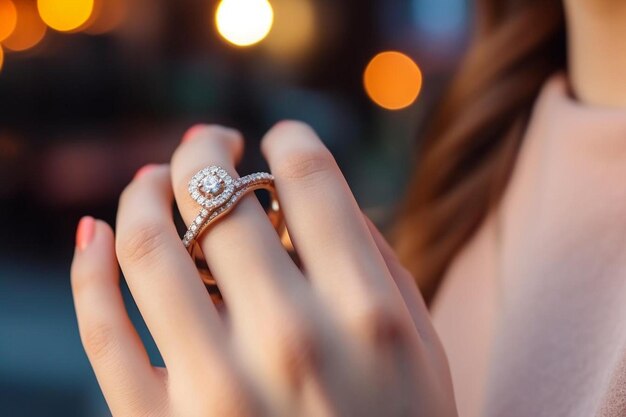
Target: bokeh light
293,32
244,22
29,30
392,80
65,15
107,15
8,18
1,58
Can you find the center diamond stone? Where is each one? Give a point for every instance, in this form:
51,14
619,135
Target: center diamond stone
211,184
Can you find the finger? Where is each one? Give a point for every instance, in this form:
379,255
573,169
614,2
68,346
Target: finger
242,249
322,216
405,282
115,351
160,274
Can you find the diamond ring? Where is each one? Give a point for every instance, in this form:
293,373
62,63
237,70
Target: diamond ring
218,193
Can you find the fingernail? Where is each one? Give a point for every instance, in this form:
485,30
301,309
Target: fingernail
144,170
85,231
191,133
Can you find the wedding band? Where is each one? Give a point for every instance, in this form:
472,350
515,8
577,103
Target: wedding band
218,193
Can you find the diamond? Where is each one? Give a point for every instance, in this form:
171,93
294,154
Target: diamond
211,184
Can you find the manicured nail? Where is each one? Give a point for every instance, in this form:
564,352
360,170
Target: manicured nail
144,170
191,133
85,231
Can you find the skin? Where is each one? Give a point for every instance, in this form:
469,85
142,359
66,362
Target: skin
347,335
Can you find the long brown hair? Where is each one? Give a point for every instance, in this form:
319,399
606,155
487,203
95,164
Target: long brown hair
465,161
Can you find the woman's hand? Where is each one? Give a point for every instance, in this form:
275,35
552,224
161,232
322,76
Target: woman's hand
348,335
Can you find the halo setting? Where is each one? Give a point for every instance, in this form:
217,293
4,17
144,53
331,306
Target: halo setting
217,192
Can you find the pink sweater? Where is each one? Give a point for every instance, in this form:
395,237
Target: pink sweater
533,311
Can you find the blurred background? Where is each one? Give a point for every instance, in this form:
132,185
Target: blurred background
91,90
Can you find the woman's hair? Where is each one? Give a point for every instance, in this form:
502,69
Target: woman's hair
465,161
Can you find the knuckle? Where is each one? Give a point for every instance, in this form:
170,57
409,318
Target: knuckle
297,350
307,165
143,240
98,340
379,323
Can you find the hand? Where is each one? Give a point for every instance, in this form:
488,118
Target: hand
348,335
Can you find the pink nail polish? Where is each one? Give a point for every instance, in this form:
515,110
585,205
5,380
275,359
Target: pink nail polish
192,132
144,170
85,231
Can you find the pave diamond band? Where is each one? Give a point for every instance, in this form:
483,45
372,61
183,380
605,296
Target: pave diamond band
218,193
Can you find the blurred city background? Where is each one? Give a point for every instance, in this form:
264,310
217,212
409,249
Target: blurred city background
90,90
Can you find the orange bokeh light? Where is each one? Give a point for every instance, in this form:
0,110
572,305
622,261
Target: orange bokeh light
392,80
8,18
29,30
1,58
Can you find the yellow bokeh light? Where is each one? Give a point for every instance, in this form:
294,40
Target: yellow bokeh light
392,80
29,30
65,15
244,22
8,18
